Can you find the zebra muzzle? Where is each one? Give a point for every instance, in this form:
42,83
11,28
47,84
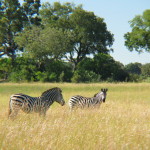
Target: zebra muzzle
104,100
62,102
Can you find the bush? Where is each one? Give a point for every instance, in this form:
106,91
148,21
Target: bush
41,76
85,76
5,68
134,77
146,70
62,77
53,77
58,70
23,69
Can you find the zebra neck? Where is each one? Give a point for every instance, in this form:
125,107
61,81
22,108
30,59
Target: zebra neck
46,100
96,99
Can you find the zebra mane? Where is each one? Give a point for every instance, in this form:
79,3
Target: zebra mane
102,90
95,95
56,88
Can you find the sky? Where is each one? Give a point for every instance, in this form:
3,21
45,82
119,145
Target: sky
116,14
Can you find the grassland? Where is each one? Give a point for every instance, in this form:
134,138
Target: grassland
122,123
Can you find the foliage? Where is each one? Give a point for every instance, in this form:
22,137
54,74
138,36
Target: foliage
100,68
134,68
145,69
57,15
135,77
88,33
56,46
5,68
138,38
85,76
59,70
13,19
23,70
104,66
119,73
43,44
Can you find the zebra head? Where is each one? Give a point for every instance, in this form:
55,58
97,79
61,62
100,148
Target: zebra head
101,95
59,97
54,94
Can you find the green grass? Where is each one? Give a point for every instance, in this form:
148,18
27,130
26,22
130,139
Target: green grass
122,123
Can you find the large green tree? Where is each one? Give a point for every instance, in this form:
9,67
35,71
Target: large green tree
139,38
88,32
13,19
43,44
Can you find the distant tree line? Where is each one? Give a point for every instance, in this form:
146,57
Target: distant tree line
105,69
58,43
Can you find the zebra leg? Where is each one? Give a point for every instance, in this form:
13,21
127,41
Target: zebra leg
42,113
71,107
9,111
13,113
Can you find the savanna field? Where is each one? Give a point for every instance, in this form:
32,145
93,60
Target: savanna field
121,123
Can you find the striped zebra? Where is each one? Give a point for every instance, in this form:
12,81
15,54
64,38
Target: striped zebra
82,102
30,104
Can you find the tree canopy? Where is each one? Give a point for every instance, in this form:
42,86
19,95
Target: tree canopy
87,33
43,44
13,19
139,38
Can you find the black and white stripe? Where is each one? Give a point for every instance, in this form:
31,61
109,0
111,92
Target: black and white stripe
82,102
30,104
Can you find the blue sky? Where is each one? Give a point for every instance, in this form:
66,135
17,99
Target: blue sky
116,14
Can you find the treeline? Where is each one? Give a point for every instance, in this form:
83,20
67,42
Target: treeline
100,68
59,43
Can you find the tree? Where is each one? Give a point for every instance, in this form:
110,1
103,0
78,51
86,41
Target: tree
139,38
146,70
134,68
43,44
14,18
88,33
104,66
5,68
31,12
57,15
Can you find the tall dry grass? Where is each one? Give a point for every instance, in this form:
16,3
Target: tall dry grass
122,123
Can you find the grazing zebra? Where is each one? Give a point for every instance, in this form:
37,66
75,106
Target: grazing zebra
30,104
82,102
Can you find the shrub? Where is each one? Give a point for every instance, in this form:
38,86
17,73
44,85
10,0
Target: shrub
41,76
53,77
85,76
5,68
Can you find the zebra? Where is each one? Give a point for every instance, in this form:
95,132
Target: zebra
30,104
82,102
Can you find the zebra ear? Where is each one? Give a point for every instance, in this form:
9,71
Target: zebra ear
104,90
